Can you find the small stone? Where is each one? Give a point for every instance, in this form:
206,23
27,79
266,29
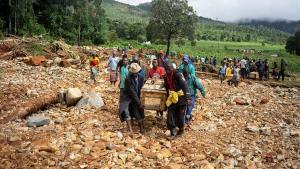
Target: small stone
119,135
82,166
252,128
86,151
295,133
14,139
280,157
37,121
206,165
168,144
175,166
265,131
123,157
264,100
241,101
233,151
77,147
110,146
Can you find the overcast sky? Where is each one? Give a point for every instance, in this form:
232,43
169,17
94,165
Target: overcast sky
232,10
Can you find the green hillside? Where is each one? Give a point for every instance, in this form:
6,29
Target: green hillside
207,29
124,12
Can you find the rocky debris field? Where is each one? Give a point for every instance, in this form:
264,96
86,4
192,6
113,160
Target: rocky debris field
252,126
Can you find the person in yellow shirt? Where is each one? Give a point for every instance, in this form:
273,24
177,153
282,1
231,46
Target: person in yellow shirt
228,74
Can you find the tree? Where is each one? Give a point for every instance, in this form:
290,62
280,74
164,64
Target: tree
293,44
172,19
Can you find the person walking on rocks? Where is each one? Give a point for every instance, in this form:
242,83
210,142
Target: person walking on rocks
187,66
130,105
94,66
112,63
193,84
178,99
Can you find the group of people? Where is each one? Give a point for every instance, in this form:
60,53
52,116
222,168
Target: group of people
180,83
232,70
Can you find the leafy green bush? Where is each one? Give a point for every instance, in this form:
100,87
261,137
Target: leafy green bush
35,49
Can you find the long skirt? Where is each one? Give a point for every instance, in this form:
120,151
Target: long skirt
113,75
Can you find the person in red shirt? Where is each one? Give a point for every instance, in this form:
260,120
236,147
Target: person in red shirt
157,71
94,66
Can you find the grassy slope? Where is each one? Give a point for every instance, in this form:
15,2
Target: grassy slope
121,11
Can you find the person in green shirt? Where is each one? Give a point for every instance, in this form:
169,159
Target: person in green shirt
123,72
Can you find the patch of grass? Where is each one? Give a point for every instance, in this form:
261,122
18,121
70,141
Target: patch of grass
35,49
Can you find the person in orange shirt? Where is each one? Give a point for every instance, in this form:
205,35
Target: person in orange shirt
94,64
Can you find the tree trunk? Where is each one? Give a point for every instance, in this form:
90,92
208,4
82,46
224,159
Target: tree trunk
30,106
16,7
79,27
168,43
9,18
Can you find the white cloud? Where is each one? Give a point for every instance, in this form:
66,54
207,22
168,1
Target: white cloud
231,10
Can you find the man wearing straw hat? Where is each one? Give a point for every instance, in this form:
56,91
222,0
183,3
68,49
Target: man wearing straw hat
130,104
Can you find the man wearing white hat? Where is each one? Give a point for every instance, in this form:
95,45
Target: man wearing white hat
130,104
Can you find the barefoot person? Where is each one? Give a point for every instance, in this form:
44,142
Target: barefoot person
94,66
178,99
113,63
130,104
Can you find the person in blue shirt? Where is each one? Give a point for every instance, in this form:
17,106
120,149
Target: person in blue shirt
187,66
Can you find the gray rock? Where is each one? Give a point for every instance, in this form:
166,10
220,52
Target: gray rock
73,95
37,121
233,151
57,60
92,99
119,135
265,131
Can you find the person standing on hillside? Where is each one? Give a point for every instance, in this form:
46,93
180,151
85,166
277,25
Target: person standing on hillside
260,69
94,66
283,66
243,64
266,69
275,70
112,64
222,72
178,100
121,62
130,104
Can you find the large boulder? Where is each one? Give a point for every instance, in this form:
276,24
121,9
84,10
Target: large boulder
91,99
37,60
73,95
64,63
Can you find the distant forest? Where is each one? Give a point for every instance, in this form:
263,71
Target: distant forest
100,21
